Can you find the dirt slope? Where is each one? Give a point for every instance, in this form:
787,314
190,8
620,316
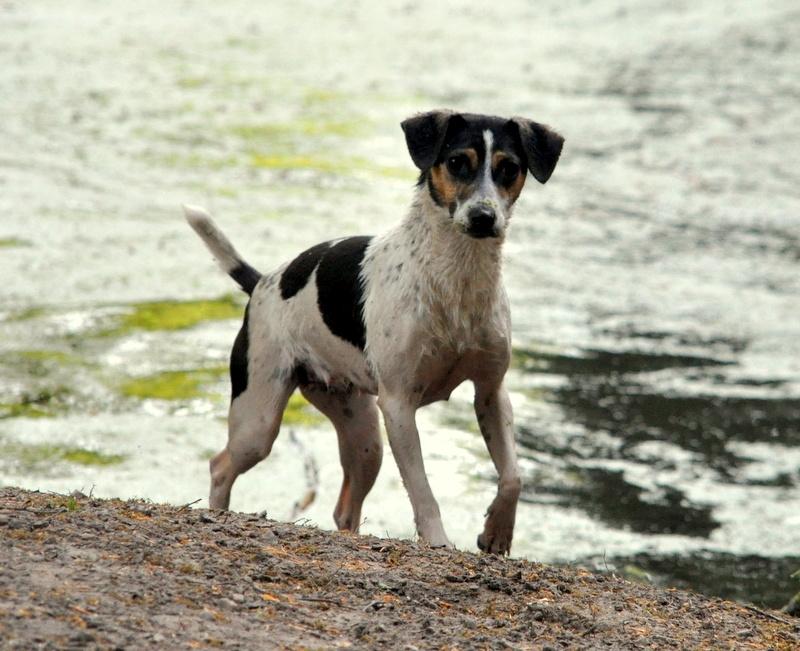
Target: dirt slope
77,572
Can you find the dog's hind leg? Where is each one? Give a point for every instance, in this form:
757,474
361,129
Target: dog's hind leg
257,404
493,409
355,417
254,420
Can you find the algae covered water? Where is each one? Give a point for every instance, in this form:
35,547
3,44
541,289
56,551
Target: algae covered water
654,281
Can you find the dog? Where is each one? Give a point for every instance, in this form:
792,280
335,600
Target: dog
388,324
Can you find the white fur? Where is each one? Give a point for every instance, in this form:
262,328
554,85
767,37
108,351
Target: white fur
220,246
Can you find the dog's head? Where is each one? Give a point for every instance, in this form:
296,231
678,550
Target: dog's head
474,166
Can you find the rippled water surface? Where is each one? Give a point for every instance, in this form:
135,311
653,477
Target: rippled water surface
654,281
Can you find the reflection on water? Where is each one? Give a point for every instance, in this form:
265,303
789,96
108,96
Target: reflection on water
744,577
606,495
654,281
612,397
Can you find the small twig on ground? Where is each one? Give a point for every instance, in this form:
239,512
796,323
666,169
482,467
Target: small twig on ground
188,504
37,511
311,473
774,618
335,602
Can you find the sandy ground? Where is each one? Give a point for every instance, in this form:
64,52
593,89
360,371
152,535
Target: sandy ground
78,572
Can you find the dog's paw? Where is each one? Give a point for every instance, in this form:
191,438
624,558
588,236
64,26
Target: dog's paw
443,545
495,541
435,537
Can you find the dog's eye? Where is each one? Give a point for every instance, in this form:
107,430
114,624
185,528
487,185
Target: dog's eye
459,166
507,172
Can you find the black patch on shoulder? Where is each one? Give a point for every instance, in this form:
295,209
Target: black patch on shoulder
246,276
239,355
296,275
340,295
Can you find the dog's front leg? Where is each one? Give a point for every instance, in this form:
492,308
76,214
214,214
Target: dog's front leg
401,427
493,409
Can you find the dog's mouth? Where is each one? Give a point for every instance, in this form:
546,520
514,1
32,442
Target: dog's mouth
481,232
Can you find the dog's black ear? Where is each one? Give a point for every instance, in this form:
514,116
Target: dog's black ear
542,147
425,134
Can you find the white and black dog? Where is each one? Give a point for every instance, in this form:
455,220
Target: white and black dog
392,322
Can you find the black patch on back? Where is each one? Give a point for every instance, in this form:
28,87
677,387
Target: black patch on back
246,276
296,275
340,294
239,355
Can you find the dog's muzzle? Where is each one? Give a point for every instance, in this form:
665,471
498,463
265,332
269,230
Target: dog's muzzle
482,222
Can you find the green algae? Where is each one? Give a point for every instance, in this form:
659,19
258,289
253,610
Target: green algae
297,129
300,413
227,191
333,165
298,162
45,403
10,242
193,160
192,82
461,420
26,314
151,315
207,454
173,385
85,457
34,456
175,315
317,96
38,363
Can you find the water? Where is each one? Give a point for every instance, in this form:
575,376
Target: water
654,281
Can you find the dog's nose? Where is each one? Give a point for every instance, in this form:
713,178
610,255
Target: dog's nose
481,222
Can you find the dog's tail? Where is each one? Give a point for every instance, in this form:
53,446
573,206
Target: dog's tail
221,248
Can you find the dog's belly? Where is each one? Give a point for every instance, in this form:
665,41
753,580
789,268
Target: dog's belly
337,365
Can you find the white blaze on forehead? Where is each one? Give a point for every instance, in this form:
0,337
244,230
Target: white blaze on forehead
488,139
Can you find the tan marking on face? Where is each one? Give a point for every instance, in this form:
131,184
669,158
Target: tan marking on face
443,183
510,193
497,157
449,188
471,154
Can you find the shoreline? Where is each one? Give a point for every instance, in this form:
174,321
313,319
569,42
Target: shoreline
82,572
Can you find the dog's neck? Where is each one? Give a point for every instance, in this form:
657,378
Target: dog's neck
463,272
447,251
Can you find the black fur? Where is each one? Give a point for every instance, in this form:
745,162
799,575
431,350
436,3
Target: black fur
239,355
431,137
302,376
424,136
296,275
340,294
542,147
246,276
